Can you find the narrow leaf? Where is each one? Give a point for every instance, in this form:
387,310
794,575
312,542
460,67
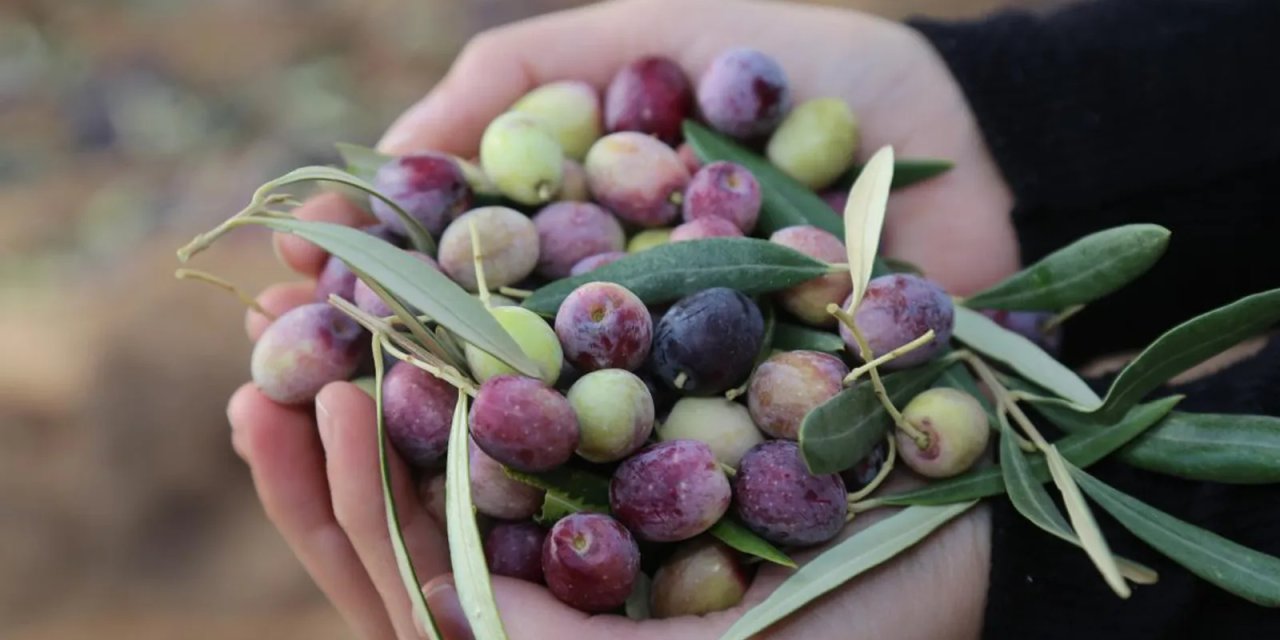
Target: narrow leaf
1081,272
572,490
785,202
1187,345
854,556
637,605
1082,449
864,218
906,172
734,534
420,286
1238,569
408,574
418,235
1091,538
672,271
1213,447
466,552
1022,355
793,337
1029,497
840,432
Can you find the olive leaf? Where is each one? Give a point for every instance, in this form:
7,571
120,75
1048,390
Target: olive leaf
1185,346
1031,499
572,490
1081,272
863,220
733,533
1214,447
840,432
1022,355
842,562
784,201
408,574
419,237
637,605
414,282
466,552
1091,538
1081,449
672,271
906,172
793,337
1238,569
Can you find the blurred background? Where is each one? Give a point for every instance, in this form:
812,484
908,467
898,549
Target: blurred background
126,126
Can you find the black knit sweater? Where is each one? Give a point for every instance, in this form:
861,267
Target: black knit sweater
1116,111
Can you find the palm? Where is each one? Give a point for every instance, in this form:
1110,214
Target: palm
324,495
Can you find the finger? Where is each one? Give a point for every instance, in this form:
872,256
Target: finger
304,257
276,300
346,420
284,455
498,66
530,612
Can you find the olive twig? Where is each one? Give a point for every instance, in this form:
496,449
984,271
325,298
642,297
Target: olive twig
477,256
1063,316
921,439
881,475
407,350
512,292
1006,402
209,278
881,359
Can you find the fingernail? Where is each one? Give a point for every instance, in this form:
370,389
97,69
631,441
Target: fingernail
324,422
446,610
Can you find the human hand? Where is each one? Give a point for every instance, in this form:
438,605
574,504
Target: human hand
323,493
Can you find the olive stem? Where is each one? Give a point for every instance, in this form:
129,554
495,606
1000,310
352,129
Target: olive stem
1063,316
1006,403
920,438
401,315
407,350
512,292
728,470
681,378
209,278
477,257
885,469
837,267
448,374
900,351
865,505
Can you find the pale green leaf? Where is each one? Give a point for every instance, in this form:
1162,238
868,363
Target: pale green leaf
1022,355
864,218
417,284
1091,538
842,562
466,552
408,574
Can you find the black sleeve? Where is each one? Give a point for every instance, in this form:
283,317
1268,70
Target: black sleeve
1117,111
1041,587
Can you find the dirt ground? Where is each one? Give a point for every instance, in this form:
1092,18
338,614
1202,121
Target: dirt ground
125,127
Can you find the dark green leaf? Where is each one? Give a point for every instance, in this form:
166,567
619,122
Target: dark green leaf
734,534
1080,272
793,337
1247,573
408,574
466,552
785,202
1187,345
1022,355
1082,449
1239,449
672,271
422,287
843,430
906,172
846,560
572,490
